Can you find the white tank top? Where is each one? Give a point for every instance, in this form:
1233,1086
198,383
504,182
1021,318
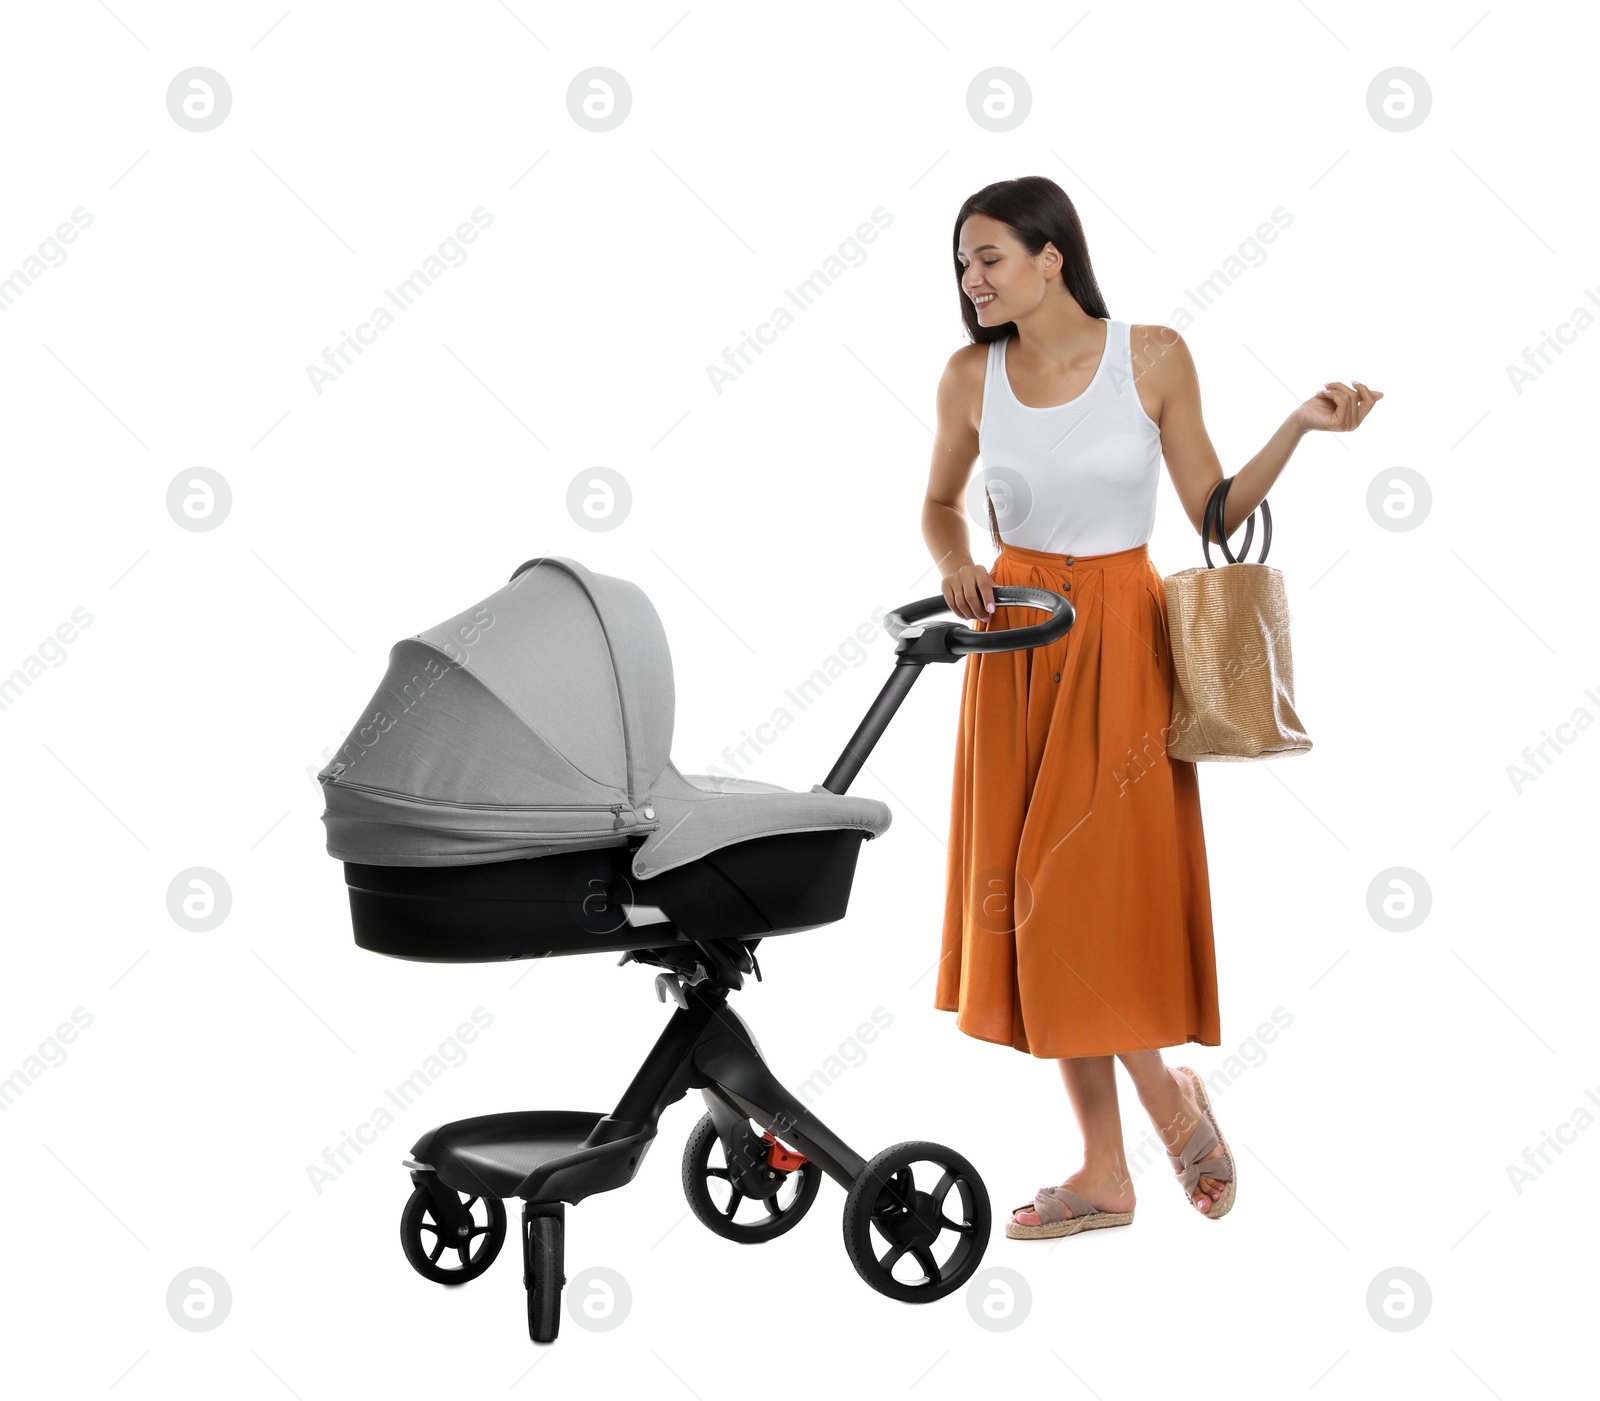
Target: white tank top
1079,478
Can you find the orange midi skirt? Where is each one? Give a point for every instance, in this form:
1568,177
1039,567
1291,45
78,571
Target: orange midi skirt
1078,906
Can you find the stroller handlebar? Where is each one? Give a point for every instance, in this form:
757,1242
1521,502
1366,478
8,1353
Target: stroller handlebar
947,641
917,643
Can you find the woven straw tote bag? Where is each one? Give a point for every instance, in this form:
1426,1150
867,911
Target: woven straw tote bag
1233,675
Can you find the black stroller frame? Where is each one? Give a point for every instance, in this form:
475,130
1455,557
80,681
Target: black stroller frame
775,1149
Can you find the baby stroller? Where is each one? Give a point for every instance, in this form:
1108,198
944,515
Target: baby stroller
509,793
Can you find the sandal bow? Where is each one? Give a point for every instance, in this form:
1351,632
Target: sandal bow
1189,1164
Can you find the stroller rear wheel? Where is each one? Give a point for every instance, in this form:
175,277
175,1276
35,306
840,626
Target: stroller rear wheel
446,1254
761,1169
942,1228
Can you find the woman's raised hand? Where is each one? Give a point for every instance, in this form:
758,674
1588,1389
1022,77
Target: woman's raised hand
969,592
1337,409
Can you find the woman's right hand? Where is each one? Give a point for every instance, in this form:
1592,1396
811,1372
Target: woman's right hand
969,592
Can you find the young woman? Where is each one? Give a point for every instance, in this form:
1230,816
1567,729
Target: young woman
1078,916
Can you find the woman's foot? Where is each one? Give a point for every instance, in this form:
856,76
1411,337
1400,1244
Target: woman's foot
1177,1133
1104,1189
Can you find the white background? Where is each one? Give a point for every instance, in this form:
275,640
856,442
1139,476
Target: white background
182,726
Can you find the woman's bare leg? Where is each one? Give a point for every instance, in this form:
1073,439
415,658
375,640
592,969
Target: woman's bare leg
1103,1179
1168,1098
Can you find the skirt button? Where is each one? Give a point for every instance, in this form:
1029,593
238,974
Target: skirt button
1058,676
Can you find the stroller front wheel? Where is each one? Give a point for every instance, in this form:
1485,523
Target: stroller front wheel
543,1250
916,1244
761,1169
451,1255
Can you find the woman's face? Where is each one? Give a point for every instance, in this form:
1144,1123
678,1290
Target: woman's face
998,276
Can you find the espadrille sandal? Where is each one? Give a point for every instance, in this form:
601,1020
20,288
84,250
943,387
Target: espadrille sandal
1191,1164
1051,1206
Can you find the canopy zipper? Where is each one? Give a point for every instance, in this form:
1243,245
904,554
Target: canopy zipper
616,809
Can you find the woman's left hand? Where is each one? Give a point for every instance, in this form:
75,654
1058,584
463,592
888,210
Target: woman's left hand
1337,409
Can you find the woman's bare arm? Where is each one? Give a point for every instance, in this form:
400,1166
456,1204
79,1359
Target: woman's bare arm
1192,461
967,587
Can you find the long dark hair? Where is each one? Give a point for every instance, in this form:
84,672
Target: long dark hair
1037,211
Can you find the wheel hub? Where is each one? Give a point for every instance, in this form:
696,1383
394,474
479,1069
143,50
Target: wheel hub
907,1218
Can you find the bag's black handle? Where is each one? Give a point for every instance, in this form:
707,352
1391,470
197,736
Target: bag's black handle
1215,507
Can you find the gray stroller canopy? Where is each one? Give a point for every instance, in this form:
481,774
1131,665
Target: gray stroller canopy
541,720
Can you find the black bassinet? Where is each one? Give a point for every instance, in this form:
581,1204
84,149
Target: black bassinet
509,792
